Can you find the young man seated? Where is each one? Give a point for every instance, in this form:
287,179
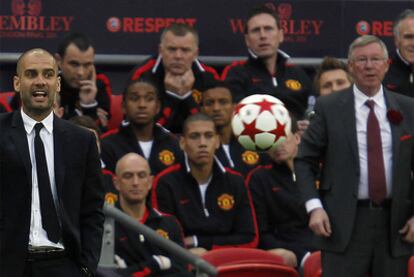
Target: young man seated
218,104
211,202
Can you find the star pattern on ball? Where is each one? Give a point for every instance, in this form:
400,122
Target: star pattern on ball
265,105
238,108
250,130
279,131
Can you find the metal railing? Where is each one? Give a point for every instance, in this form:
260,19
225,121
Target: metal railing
122,60
201,266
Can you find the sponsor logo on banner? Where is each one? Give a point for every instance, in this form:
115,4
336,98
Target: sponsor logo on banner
284,10
144,24
375,27
295,30
113,24
26,21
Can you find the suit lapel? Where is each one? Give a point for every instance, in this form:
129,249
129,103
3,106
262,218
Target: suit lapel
59,142
396,129
19,138
347,111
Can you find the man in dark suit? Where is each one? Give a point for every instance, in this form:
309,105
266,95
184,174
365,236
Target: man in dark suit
363,137
51,191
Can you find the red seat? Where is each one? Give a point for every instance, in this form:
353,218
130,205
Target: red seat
5,98
231,256
117,113
411,267
248,262
313,265
256,270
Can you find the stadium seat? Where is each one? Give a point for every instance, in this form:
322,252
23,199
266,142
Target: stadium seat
5,98
116,112
313,265
231,256
411,267
256,270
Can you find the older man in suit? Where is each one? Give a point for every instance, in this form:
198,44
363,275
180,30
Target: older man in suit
51,191
363,137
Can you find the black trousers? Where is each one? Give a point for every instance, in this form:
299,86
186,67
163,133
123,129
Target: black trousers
51,265
368,251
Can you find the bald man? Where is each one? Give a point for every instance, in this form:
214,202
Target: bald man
51,192
133,181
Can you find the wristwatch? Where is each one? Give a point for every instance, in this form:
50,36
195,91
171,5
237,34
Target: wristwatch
86,272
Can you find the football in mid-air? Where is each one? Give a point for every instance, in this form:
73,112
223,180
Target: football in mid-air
261,122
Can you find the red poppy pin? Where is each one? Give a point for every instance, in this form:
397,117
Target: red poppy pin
395,117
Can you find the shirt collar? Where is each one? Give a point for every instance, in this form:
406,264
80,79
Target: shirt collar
361,98
29,122
216,160
402,58
254,56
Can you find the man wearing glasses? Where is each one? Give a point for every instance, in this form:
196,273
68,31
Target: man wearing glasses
362,213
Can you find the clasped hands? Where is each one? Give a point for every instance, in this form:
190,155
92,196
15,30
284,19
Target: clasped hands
179,84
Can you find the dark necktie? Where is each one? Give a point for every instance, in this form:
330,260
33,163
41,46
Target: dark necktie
47,207
376,172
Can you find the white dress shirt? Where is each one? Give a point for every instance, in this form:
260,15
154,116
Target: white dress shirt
38,236
361,118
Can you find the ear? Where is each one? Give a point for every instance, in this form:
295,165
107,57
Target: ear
246,40
182,142
397,42
58,60
281,36
158,106
217,141
160,49
16,83
350,67
150,180
58,84
123,104
115,180
297,138
388,65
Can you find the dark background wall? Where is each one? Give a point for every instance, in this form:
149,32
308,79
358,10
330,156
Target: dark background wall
127,31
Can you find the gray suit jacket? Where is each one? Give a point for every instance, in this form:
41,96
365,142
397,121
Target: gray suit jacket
332,140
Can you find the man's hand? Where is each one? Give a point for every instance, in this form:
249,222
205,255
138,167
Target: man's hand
179,84
319,223
88,89
163,262
198,251
103,116
302,126
189,242
408,230
289,258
